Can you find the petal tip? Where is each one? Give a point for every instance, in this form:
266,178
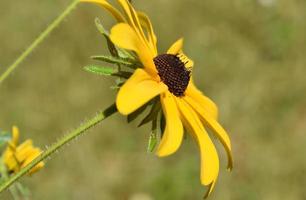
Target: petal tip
230,163
230,167
209,189
122,109
163,153
159,154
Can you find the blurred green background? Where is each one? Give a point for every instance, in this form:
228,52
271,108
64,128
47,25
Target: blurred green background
250,59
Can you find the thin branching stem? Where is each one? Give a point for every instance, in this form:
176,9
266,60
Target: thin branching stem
38,40
60,143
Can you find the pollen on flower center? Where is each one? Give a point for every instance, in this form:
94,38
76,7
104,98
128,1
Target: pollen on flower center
173,72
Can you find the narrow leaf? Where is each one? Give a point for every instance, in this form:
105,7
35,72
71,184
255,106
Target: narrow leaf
153,137
152,142
113,60
131,117
162,124
123,74
152,114
111,47
106,71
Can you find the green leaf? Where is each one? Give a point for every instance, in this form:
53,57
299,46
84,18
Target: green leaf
152,142
123,74
131,117
153,137
162,124
114,60
115,51
106,71
122,53
111,47
152,114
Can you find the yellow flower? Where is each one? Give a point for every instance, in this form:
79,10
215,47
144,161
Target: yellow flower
169,76
17,156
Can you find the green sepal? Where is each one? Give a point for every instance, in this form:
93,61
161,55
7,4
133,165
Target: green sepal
153,137
152,114
152,142
162,123
140,110
106,71
122,53
119,83
116,60
115,51
123,74
131,117
111,47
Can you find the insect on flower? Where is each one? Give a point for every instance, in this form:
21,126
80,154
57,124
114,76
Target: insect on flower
169,76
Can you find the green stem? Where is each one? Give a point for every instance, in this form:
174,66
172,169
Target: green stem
38,40
5,176
63,141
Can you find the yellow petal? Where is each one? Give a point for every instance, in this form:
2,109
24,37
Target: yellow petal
209,156
138,90
215,126
174,131
125,37
128,12
10,160
117,15
34,153
206,104
15,135
24,150
36,168
176,47
187,61
146,23
133,19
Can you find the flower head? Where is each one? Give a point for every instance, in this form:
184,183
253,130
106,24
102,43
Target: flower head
18,156
169,76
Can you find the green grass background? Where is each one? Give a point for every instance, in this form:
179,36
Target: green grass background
249,58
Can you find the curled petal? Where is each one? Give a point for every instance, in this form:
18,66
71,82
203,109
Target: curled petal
138,90
146,23
215,126
174,131
117,15
209,156
133,20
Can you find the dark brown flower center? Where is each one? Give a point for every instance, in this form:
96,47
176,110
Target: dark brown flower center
173,72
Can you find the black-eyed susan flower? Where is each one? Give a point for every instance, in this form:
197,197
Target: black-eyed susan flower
169,76
17,156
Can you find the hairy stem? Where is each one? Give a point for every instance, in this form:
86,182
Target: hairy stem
60,143
38,40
